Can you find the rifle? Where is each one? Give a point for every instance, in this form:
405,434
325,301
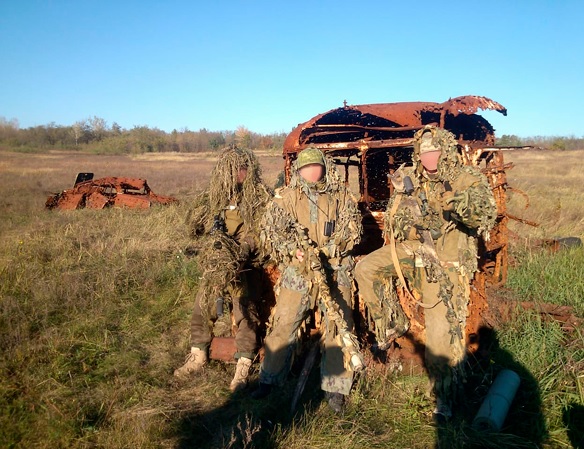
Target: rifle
349,344
308,363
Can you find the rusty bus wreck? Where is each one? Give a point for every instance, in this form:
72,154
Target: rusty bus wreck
370,141
133,193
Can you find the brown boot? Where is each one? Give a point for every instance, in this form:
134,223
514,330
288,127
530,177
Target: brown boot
194,362
241,373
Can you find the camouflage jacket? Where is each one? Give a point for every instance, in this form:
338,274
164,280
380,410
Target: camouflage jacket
453,212
297,215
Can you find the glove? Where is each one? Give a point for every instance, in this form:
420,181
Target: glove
448,199
451,200
413,233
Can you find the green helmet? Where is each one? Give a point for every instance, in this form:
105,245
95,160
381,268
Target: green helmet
310,156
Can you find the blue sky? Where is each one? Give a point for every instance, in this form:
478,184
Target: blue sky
269,65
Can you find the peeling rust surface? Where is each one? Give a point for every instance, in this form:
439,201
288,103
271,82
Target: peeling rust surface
107,192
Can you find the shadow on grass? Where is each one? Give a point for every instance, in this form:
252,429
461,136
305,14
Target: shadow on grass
574,421
524,425
243,422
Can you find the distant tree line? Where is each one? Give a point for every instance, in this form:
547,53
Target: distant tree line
550,143
96,136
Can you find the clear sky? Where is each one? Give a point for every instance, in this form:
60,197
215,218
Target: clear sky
269,65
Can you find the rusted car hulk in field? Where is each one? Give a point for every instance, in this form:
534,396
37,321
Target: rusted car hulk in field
369,142
92,193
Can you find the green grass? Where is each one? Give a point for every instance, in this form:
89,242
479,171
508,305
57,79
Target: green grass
550,358
556,278
87,304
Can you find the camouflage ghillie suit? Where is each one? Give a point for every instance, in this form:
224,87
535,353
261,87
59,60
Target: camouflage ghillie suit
226,219
296,220
433,223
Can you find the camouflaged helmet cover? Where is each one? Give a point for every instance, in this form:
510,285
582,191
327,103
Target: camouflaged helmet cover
310,156
331,181
445,141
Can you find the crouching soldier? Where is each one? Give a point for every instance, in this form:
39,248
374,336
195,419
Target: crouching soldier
437,211
310,229
226,217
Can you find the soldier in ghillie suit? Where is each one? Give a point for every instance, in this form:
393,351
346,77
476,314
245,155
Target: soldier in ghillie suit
310,229
438,209
226,218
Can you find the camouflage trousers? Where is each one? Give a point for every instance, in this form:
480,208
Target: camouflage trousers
244,293
444,336
296,298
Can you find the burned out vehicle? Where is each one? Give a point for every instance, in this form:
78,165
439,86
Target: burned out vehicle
369,142
111,191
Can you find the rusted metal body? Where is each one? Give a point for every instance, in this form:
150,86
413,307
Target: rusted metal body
107,192
368,142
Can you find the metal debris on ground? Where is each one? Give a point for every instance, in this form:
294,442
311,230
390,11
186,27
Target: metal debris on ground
133,193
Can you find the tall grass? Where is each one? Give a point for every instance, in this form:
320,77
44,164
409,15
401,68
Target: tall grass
556,278
88,306
94,317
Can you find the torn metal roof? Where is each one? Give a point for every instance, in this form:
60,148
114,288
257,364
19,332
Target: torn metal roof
375,125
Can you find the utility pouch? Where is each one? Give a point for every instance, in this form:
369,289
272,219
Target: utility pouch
219,306
329,227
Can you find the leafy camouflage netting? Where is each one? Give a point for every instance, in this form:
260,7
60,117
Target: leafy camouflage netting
389,318
220,258
483,207
221,255
251,196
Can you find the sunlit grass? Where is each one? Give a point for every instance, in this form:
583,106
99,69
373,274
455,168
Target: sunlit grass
553,182
556,278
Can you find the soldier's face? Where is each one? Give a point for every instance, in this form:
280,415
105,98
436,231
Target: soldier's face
241,174
312,172
429,160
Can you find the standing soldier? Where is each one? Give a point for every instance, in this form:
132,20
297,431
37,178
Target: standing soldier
438,209
310,229
227,215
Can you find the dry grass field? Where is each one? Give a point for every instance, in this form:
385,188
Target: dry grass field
553,183
95,308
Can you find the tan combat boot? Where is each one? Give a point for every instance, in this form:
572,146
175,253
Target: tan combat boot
241,373
194,362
